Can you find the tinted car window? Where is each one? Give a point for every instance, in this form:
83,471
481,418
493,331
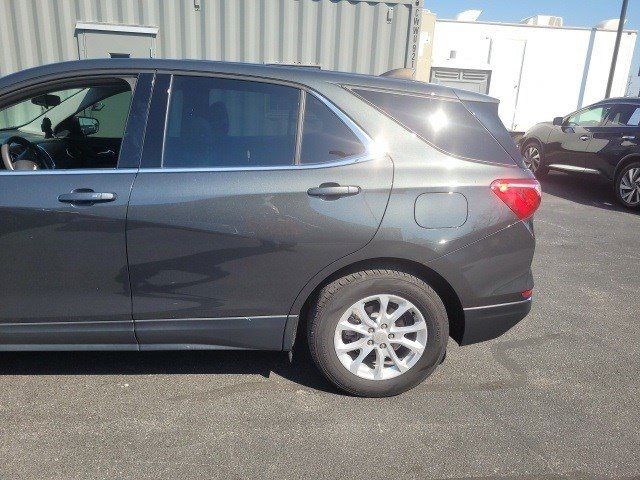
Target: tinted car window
216,122
591,117
623,115
487,113
324,136
446,124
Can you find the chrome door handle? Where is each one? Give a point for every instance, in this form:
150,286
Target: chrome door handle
584,138
86,197
628,137
333,190
107,152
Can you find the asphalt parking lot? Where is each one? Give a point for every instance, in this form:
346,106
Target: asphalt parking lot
556,397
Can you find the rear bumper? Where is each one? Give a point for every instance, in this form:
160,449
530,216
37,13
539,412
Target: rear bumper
491,321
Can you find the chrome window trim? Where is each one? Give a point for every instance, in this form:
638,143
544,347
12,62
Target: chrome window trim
71,171
346,161
369,154
368,143
165,129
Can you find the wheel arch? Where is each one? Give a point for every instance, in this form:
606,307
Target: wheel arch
626,160
298,314
533,140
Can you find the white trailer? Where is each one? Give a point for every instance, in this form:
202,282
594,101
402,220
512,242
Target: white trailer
538,69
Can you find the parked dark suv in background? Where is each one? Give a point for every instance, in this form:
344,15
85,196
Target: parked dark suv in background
601,139
158,204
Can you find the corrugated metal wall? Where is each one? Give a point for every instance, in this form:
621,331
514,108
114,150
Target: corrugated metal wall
358,36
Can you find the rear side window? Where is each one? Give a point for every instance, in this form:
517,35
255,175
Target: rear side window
623,115
325,137
446,124
218,122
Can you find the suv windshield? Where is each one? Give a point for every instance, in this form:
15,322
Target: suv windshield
30,110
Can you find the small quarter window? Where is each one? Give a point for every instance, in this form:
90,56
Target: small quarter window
325,138
110,113
218,122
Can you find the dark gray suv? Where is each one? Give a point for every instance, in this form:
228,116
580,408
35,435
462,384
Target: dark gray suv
159,204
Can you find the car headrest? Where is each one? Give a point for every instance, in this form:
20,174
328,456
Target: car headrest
219,118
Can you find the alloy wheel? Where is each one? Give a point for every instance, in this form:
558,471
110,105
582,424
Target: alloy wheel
532,158
629,188
380,337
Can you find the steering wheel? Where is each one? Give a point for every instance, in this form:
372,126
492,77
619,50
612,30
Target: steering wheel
31,158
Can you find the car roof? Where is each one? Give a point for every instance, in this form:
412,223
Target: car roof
631,100
300,74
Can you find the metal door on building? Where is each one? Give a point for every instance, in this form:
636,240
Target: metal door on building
507,59
115,41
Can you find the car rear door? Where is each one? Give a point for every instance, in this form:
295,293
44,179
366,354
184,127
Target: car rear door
235,209
64,273
615,139
567,146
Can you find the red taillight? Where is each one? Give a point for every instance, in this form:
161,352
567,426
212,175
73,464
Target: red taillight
522,195
527,293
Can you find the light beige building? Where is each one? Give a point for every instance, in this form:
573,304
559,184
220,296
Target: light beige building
425,47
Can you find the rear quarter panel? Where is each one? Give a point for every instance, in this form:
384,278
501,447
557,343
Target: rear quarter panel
491,227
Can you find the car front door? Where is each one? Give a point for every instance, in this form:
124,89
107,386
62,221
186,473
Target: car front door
567,146
242,208
64,269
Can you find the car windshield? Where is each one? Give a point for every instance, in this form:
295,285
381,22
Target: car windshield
30,110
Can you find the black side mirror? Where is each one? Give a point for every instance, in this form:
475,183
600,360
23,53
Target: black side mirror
88,125
558,121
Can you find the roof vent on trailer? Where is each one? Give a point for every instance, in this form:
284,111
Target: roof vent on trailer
468,15
543,21
611,24
406,73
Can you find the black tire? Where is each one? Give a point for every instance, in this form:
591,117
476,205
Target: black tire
541,170
633,201
339,295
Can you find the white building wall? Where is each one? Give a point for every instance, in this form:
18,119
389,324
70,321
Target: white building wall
536,72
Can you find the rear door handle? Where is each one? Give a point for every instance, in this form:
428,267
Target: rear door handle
584,138
86,197
628,137
333,190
